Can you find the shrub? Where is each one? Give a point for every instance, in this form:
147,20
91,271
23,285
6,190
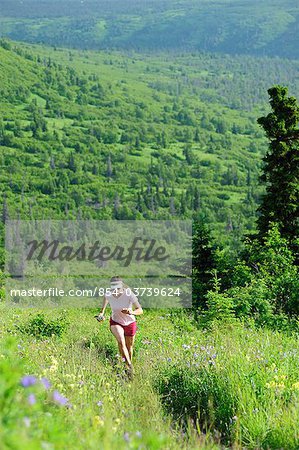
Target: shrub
220,306
39,327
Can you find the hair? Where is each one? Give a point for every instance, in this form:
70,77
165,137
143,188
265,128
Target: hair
115,279
112,279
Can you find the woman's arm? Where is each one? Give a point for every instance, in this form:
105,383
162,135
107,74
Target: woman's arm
138,308
104,306
138,311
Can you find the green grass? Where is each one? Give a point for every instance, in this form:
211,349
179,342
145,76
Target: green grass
252,373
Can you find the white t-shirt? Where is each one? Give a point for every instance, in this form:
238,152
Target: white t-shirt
117,304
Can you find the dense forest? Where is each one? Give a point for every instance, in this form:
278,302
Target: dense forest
225,26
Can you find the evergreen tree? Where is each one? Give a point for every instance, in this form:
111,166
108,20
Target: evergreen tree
203,262
280,203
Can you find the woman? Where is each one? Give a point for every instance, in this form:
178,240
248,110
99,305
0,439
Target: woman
122,321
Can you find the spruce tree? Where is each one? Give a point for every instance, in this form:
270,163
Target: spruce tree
280,203
203,262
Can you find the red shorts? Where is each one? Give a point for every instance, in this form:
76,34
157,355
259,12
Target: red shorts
130,330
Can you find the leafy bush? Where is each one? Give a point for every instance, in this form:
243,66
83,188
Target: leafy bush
274,263
39,327
264,286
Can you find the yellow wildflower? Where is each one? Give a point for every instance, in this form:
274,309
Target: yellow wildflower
273,384
97,421
296,385
280,377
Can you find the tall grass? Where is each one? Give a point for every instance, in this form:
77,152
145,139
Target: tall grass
230,386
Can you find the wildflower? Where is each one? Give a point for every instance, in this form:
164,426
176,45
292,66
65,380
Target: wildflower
296,385
138,434
28,380
54,365
31,399
186,347
60,399
272,384
46,383
27,422
169,359
100,404
126,437
280,377
97,421
70,375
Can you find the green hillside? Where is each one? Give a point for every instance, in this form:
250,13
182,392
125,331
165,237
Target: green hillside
225,26
100,135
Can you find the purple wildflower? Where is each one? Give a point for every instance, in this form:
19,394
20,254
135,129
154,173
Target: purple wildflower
31,399
126,437
60,399
46,383
28,380
100,404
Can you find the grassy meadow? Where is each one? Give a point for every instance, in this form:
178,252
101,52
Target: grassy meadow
229,386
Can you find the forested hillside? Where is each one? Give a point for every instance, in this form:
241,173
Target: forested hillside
225,26
99,135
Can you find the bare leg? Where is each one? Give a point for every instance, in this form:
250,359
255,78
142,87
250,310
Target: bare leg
129,344
119,334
